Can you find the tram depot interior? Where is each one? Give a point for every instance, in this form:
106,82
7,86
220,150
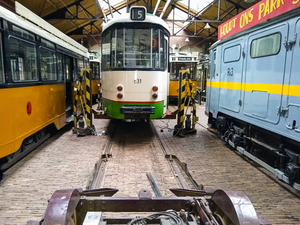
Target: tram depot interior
193,24
193,28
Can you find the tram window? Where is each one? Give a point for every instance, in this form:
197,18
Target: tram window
266,46
80,66
114,47
137,48
155,49
60,67
134,48
232,54
193,70
106,41
48,64
68,68
165,50
21,32
48,43
76,71
161,49
118,56
23,60
2,80
86,63
95,70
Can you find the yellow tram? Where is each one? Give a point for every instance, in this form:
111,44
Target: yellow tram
38,72
187,66
94,64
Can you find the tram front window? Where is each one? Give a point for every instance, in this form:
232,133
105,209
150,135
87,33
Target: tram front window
137,48
134,49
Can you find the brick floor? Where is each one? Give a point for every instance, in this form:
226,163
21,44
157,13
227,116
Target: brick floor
67,161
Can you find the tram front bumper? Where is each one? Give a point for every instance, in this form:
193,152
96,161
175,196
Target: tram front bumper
137,110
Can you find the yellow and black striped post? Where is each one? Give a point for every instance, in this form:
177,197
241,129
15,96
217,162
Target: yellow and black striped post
85,104
80,94
178,129
79,99
192,99
88,95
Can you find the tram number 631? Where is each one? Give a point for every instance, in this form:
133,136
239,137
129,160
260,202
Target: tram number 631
230,72
137,81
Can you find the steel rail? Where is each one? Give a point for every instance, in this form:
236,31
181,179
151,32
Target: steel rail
173,160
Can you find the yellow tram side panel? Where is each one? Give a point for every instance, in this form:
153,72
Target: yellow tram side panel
47,106
95,87
174,85
6,121
173,88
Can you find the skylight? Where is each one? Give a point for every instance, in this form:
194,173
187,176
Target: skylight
197,6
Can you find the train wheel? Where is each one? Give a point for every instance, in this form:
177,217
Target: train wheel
73,219
219,219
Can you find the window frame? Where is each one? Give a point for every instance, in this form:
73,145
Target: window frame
111,35
262,39
33,69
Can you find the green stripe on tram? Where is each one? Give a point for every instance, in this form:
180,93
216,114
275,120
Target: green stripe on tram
113,108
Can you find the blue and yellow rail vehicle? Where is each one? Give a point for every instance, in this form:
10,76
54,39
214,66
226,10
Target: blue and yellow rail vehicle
187,65
38,68
134,65
253,96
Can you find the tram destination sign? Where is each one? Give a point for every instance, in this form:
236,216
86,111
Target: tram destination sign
184,58
138,13
256,14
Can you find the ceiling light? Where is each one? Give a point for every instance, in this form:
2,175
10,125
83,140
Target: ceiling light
207,26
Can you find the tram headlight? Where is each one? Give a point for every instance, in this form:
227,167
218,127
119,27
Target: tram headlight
154,95
119,88
155,88
119,95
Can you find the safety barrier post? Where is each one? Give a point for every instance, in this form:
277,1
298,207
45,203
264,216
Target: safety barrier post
86,106
192,130
79,97
88,95
178,129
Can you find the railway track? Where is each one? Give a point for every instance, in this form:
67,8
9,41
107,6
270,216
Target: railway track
139,143
135,160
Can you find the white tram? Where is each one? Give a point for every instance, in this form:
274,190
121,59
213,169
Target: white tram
135,66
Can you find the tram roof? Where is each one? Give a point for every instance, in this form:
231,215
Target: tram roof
125,18
56,36
82,19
